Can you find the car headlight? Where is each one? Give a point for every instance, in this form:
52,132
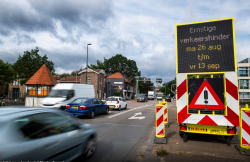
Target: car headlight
59,102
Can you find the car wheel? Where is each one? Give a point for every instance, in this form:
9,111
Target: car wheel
90,147
125,107
184,136
181,133
120,108
107,111
92,114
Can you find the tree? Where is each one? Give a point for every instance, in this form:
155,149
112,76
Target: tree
119,63
29,63
64,75
168,87
73,73
7,74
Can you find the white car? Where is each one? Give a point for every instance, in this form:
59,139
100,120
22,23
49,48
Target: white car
159,97
116,103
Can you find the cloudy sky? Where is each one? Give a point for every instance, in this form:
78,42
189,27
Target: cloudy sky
141,30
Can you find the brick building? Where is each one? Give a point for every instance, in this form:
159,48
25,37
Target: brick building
15,89
118,83
96,78
70,79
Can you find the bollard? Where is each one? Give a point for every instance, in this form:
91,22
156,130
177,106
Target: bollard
159,122
165,112
244,147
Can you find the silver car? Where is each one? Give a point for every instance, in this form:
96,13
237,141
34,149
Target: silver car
40,134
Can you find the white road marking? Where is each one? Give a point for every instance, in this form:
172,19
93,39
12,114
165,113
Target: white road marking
133,117
126,111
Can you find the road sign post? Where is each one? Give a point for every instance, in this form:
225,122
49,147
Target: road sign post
165,112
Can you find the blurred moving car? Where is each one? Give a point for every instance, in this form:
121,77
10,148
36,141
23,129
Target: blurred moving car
87,106
159,97
62,94
39,134
142,97
116,103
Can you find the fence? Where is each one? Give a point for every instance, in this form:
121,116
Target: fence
13,99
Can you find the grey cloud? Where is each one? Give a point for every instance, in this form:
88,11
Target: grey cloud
38,16
23,38
1,42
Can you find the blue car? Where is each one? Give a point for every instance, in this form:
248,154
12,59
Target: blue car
87,106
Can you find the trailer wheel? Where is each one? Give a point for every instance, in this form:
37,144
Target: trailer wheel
228,140
181,133
184,136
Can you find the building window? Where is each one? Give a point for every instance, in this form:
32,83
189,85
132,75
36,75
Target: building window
243,71
100,83
244,84
16,82
89,80
244,95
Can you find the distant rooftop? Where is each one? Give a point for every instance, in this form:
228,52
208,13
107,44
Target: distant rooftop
247,60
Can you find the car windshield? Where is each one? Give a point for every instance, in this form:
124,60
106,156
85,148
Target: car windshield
141,95
150,96
159,96
112,99
58,93
80,100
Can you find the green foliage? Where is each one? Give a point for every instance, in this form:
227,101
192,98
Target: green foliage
119,63
73,73
133,97
6,87
162,153
168,87
117,93
28,64
64,74
141,87
7,74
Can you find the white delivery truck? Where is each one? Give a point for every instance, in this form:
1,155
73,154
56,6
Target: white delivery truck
62,94
151,95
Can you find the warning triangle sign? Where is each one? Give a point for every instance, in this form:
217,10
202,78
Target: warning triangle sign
213,101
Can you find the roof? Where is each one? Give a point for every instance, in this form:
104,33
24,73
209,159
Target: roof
42,77
70,79
97,71
118,75
57,77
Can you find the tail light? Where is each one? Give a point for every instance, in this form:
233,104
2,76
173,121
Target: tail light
82,107
231,131
105,102
182,127
117,102
67,106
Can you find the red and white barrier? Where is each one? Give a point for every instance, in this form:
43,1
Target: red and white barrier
245,129
165,112
160,128
232,117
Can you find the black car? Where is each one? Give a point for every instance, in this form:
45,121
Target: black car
167,98
142,97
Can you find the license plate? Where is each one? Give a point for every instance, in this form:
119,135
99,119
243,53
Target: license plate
111,106
74,107
198,129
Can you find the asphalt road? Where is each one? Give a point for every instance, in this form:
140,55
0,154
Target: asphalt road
124,135
128,135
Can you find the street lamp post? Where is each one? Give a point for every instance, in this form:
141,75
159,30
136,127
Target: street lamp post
87,63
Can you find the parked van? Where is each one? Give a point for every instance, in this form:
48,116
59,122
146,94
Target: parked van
62,94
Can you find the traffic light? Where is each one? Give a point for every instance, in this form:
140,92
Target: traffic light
173,87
